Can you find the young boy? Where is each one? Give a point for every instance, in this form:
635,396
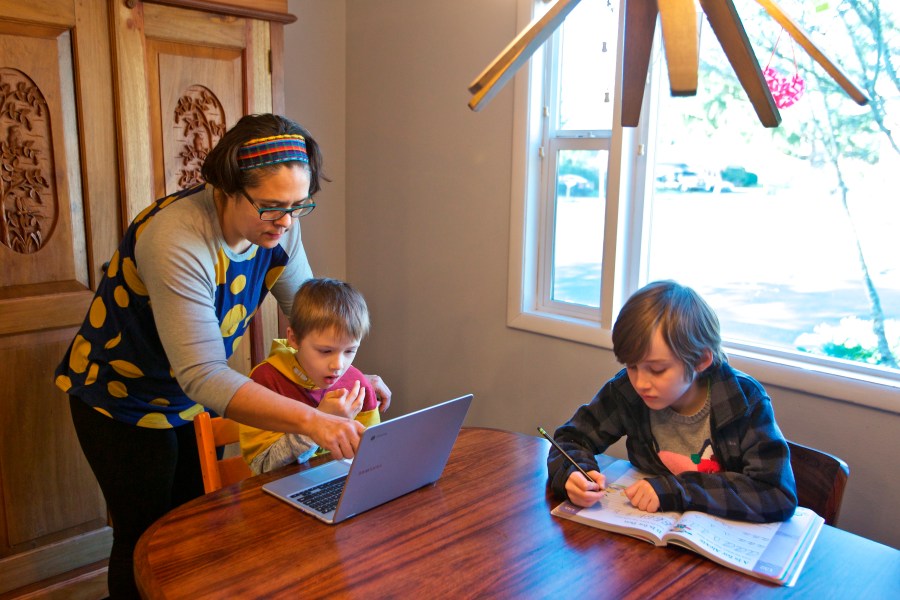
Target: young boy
328,320
705,432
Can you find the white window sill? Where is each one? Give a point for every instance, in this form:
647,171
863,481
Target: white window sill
862,389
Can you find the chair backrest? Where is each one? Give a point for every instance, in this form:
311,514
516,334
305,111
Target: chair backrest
821,479
214,433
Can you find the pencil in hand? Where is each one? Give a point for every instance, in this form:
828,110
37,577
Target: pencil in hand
566,454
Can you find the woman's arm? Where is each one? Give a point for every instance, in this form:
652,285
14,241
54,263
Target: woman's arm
260,407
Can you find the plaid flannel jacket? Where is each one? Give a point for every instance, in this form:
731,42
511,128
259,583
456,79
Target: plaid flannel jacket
756,484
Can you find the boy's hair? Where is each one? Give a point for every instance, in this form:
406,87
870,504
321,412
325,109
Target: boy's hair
323,304
687,324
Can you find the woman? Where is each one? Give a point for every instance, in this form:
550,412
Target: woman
175,300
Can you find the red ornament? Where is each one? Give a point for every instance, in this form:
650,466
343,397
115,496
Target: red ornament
784,91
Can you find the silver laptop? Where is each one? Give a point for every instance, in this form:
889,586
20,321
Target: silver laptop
393,458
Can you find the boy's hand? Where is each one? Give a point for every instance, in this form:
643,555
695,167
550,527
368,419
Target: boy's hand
382,392
643,496
344,403
583,492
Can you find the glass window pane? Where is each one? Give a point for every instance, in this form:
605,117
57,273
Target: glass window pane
578,228
790,233
587,66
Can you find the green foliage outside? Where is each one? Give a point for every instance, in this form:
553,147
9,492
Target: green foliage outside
852,339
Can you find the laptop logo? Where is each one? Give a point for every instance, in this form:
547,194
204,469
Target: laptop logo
369,470
376,436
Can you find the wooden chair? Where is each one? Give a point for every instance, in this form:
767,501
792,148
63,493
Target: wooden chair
821,479
214,433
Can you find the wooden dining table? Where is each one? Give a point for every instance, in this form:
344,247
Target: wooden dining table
483,530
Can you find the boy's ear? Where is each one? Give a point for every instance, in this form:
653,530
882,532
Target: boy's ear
705,361
292,339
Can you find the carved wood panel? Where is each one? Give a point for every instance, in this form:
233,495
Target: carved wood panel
199,120
28,207
48,491
59,207
41,208
200,97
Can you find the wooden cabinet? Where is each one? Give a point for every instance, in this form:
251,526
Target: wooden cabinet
106,105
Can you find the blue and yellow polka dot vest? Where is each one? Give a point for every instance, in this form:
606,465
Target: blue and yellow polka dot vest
117,364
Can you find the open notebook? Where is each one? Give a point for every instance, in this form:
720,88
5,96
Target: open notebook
394,457
775,551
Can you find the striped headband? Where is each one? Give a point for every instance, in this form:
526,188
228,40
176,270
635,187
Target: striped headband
271,150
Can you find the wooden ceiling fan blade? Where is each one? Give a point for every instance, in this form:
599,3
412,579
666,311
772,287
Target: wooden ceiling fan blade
517,53
640,26
681,42
817,55
729,30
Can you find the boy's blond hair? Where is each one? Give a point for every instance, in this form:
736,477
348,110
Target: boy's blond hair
323,304
687,323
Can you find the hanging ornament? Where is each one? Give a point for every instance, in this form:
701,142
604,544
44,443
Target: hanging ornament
785,90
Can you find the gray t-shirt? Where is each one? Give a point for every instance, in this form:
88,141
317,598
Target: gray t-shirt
684,435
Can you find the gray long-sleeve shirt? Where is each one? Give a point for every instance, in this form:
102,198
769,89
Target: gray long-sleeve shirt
171,308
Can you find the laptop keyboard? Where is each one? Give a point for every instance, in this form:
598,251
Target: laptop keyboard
323,498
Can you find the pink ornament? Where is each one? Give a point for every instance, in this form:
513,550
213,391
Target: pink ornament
785,91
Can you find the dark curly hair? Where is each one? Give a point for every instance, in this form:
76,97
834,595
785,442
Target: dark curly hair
221,166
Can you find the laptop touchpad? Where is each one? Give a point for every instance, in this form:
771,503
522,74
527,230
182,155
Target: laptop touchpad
312,477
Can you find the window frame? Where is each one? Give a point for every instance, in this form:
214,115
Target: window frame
554,145
624,247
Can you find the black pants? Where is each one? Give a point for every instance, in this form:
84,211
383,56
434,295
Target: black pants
143,473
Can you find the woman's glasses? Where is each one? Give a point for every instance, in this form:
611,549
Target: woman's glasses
274,214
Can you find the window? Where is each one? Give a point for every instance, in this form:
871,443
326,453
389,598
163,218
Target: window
790,233
576,142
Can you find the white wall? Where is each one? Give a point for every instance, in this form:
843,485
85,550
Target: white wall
427,237
315,90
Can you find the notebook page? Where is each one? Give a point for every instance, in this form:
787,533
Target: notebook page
615,507
764,548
